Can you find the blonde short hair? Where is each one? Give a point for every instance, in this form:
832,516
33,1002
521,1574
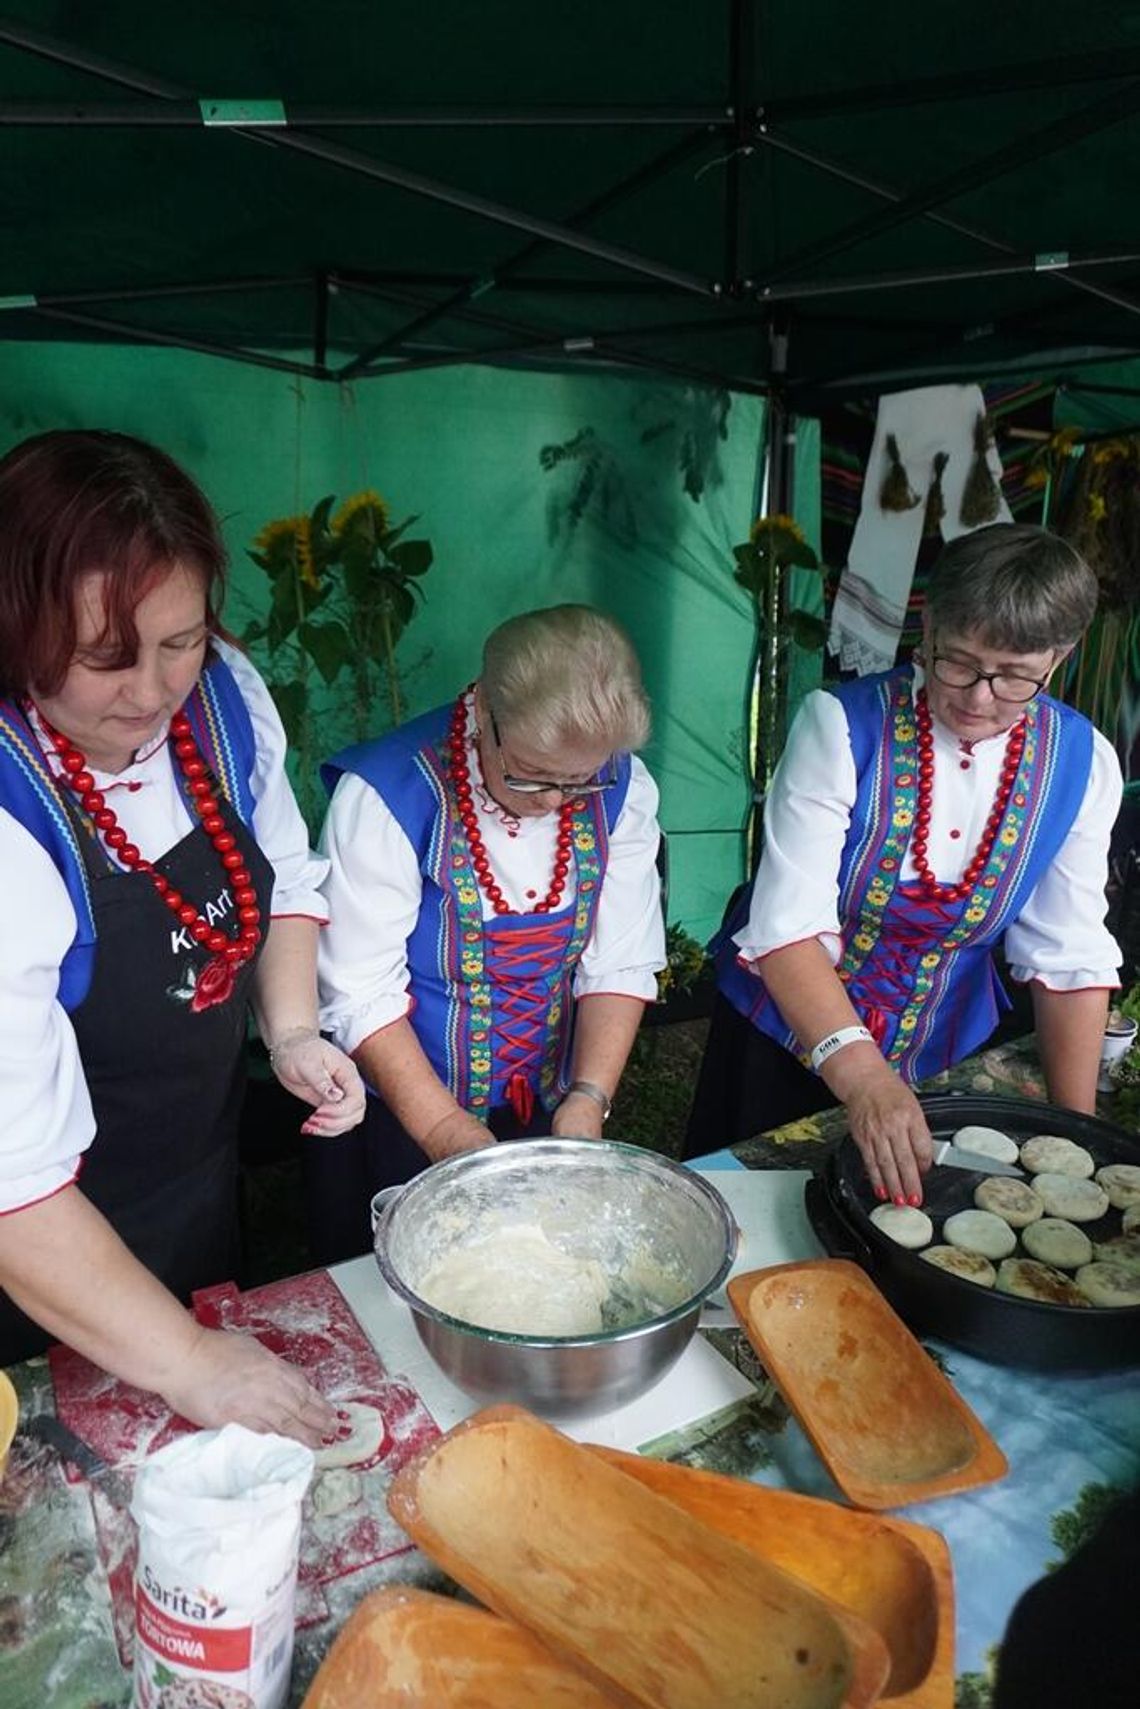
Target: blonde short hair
566,674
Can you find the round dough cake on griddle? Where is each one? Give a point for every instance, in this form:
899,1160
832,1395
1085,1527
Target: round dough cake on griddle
1071,1197
1120,1249
1131,1219
1109,1284
1031,1280
1049,1154
904,1224
980,1231
971,1266
1057,1242
1121,1181
986,1142
1014,1201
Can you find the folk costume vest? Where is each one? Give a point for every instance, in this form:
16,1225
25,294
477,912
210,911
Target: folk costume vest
919,972
492,999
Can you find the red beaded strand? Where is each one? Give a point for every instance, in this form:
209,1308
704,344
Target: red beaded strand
460,773
1015,744
229,950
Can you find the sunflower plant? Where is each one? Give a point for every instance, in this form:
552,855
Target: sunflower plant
344,585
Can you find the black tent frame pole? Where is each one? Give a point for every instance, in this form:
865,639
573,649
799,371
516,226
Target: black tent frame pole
321,322
647,174
741,42
185,113
175,341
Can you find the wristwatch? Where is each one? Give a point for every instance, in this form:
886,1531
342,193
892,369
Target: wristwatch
589,1090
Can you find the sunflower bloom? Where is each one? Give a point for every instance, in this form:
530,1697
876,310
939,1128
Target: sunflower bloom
366,503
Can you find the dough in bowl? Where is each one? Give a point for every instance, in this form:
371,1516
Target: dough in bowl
980,1231
1048,1153
1069,1197
1057,1242
1014,1201
1109,1284
1121,1181
971,1266
1031,1280
986,1142
904,1225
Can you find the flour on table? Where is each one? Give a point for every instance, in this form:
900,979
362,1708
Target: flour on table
518,1283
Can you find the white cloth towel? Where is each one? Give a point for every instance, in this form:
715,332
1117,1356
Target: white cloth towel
870,605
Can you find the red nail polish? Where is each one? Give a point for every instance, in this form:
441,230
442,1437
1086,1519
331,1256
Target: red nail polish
880,1193
344,1432
327,1441
344,1417
915,1200
899,1199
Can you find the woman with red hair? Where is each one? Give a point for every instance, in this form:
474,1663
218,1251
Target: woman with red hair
158,883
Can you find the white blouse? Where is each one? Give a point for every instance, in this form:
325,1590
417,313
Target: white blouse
374,886
1059,939
46,1120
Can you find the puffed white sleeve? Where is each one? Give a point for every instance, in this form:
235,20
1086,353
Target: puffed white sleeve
372,894
278,824
626,950
807,815
1060,938
46,1120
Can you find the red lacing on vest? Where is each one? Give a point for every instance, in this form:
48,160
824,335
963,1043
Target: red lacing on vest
886,985
519,1034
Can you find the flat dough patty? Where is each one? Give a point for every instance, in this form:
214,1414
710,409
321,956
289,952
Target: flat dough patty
1049,1154
1014,1201
1121,1181
904,1224
986,1142
1057,1242
980,1231
1031,1280
971,1266
1067,1196
1109,1284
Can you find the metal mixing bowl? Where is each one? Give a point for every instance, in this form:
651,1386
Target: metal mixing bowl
612,1203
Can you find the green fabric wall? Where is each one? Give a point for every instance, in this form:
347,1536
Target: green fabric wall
461,448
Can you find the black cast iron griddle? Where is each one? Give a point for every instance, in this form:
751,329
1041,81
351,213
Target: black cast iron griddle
998,1327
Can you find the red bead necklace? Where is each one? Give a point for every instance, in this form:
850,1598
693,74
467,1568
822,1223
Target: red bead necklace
228,952
1015,744
460,774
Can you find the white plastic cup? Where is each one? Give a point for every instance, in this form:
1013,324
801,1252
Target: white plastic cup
1119,1037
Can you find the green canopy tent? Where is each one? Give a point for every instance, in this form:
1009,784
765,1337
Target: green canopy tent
310,249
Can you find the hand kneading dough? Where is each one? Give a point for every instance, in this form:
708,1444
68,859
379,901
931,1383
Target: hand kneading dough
1050,1154
1109,1284
1014,1201
1121,1249
1121,1181
986,1142
904,1224
363,1443
980,1231
1030,1280
1066,1196
971,1266
1057,1242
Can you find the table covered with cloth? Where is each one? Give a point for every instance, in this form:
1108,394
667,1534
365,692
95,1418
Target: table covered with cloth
1073,1444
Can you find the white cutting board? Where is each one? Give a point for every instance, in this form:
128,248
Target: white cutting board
768,1205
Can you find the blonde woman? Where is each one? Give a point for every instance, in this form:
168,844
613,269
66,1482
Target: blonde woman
495,912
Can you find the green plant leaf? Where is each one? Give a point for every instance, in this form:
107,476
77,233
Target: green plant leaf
807,630
319,515
328,645
283,611
414,557
255,630
391,535
292,702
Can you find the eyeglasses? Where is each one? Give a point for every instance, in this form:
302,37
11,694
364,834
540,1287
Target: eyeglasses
601,780
1004,685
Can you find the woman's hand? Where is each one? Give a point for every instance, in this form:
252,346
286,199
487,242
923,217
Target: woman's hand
229,1378
312,1069
887,1124
578,1116
457,1131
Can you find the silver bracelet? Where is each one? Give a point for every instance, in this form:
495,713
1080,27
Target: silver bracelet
589,1090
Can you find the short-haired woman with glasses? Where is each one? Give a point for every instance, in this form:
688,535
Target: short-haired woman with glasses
917,819
495,911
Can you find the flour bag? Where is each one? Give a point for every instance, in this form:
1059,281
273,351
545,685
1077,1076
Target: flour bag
219,1518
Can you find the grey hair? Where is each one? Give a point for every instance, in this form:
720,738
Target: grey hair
566,674
1017,587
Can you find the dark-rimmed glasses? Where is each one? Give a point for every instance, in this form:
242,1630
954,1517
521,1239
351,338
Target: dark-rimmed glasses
1004,685
601,780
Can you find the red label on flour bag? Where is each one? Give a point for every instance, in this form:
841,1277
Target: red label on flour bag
219,1517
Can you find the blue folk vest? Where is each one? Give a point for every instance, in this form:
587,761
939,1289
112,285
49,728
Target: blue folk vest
223,731
920,973
491,998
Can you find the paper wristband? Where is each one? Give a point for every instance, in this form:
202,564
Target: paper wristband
836,1041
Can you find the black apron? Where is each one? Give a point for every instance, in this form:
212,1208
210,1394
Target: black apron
165,1081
